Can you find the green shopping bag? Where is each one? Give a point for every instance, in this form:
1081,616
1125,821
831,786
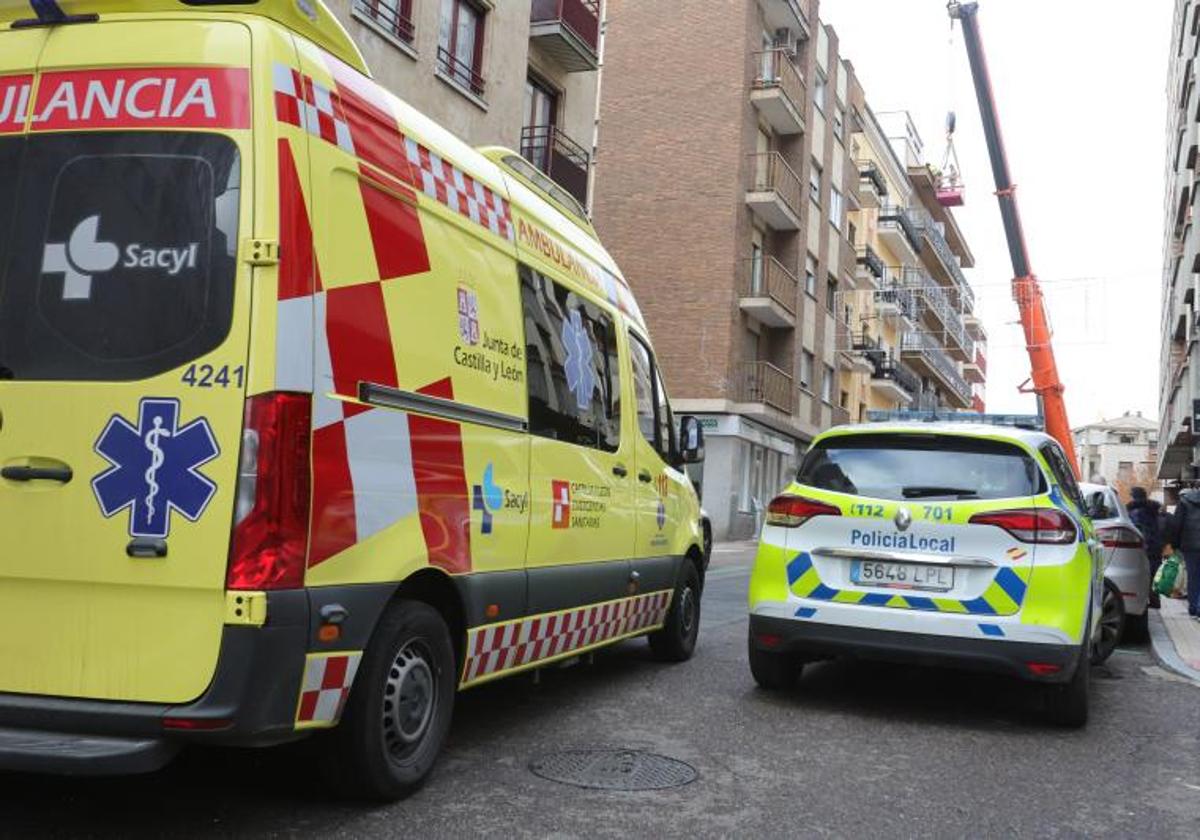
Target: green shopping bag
1164,580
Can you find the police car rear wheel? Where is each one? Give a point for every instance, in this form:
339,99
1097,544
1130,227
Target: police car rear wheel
399,710
772,670
1067,704
676,641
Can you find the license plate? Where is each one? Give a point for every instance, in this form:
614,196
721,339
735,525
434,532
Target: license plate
902,575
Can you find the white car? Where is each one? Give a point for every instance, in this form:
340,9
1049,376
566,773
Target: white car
1126,571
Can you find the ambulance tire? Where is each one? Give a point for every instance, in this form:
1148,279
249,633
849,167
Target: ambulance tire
676,641
1067,704
370,755
774,671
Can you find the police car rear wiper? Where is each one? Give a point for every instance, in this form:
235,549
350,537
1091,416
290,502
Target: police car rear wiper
924,492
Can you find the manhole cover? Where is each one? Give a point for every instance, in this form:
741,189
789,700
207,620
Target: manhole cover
613,769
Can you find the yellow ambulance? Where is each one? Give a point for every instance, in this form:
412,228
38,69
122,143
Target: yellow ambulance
310,414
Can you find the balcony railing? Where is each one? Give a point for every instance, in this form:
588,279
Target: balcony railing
981,362
946,256
393,16
890,368
935,300
869,172
871,261
894,293
777,72
977,404
571,28
892,216
766,277
459,71
930,350
762,382
770,173
560,157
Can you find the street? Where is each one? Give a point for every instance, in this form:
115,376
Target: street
858,749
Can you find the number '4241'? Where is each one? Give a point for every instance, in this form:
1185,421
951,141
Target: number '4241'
207,376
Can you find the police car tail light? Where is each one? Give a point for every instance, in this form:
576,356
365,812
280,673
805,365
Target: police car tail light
788,511
1120,537
270,532
1033,525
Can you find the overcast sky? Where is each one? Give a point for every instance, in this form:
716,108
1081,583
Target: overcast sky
1080,87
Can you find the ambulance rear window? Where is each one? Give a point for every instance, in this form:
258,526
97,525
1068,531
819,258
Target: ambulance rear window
119,262
921,466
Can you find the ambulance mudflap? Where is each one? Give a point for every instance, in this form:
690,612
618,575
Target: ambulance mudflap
123,344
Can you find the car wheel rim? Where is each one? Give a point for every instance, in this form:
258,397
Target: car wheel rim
409,698
1110,623
687,611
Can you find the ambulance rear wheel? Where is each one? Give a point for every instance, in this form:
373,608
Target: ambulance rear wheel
676,641
399,709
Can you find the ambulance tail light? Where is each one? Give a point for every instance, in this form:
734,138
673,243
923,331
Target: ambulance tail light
1032,525
270,530
789,511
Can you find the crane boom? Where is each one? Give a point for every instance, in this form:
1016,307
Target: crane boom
1026,290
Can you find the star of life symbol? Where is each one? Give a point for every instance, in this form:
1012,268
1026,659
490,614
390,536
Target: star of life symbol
580,377
487,498
155,467
468,315
81,256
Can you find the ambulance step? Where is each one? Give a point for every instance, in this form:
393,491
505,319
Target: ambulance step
37,751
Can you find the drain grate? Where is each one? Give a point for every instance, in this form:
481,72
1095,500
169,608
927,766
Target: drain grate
613,769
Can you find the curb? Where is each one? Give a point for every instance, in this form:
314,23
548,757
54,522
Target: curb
1164,650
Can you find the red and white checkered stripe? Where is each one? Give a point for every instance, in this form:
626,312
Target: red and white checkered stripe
326,685
500,647
446,183
310,105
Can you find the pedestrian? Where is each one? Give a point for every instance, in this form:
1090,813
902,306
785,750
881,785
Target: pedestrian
1185,535
1145,513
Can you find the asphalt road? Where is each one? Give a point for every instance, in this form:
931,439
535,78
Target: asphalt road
857,750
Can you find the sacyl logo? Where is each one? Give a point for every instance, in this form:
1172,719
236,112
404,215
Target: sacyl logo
83,255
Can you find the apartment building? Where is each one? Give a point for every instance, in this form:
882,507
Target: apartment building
1121,452
725,196
515,73
1179,370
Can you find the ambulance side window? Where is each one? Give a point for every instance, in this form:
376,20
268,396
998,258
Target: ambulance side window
654,411
573,375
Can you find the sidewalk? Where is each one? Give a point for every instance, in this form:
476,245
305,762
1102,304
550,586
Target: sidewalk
1175,638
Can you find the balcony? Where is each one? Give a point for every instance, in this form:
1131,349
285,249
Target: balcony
977,404
786,14
774,193
924,352
975,371
459,72
872,188
767,292
940,313
765,384
870,267
947,261
974,326
560,157
894,381
897,303
899,230
395,17
856,350
778,91
568,31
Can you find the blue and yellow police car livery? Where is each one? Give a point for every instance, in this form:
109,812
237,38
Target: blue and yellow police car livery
930,542
312,414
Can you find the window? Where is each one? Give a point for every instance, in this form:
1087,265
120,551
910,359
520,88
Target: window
151,216
902,467
460,44
814,182
541,114
844,400
810,275
1063,473
806,369
571,354
756,269
831,290
655,419
839,123
836,208
394,15
827,385
819,91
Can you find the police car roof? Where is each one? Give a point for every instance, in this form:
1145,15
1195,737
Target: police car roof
1029,437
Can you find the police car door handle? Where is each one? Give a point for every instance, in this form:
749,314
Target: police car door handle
620,471
61,474
645,477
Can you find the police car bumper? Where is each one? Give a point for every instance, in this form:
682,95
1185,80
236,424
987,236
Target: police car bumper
251,701
814,640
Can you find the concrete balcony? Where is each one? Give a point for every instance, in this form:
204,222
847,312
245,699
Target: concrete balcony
568,31
786,14
926,355
892,380
778,91
767,292
872,188
560,157
869,267
856,351
977,404
894,302
764,384
975,371
974,326
774,192
939,313
944,263
899,230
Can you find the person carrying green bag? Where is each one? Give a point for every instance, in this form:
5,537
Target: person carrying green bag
1167,574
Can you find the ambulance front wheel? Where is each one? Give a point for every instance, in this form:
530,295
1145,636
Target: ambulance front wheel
676,641
399,709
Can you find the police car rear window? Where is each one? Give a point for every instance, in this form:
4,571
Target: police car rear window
119,259
921,466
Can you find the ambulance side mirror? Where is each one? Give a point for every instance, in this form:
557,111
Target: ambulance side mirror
691,440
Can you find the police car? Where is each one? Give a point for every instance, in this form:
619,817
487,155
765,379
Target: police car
952,543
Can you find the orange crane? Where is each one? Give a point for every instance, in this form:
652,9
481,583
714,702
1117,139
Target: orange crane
1026,290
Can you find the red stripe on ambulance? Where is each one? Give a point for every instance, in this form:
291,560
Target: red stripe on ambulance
14,102
144,97
299,272
395,227
442,485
